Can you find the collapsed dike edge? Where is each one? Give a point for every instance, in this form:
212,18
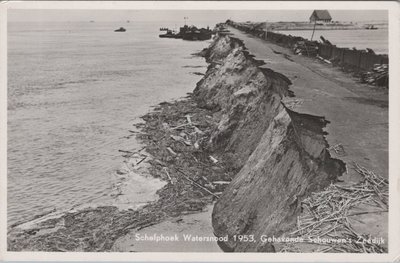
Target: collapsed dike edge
282,156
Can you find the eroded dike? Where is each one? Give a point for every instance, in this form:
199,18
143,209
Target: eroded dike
287,148
282,122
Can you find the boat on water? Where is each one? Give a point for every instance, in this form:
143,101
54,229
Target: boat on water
197,34
121,29
188,33
370,27
169,34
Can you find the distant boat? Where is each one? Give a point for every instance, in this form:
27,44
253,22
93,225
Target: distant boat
170,34
197,34
188,33
128,21
91,21
121,29
371,27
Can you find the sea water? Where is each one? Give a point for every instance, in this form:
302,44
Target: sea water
377,40
74,91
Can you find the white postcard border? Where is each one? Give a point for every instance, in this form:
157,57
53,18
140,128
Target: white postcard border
394,131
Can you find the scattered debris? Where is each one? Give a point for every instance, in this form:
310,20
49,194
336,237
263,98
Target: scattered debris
189,120
379,75
121,172
221,182
169,177
177,138
196,145
197,73
338,150
141,160
171,151
213,159
305,48
197,130
324,60
196,184
326,213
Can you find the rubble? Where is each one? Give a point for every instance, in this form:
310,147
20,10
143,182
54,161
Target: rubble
179,134
378,76
305,48
327,214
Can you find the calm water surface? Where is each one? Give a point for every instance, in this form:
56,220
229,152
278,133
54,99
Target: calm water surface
377,40
74,91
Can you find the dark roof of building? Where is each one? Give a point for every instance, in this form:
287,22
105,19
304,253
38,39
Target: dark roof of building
321,14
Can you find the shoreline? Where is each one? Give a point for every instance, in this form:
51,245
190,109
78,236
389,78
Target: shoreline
187,190
248,133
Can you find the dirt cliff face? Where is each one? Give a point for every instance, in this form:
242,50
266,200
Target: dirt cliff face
246,97
281,155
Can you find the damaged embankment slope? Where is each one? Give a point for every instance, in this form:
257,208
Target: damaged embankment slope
272,129
250,120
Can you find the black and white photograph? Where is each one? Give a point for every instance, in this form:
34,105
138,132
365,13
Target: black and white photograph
133,128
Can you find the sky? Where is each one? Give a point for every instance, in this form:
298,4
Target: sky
213,16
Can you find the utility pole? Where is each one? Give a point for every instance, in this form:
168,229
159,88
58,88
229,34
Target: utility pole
315,23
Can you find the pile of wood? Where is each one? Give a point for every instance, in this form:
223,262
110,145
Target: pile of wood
177,135
327,213
305,48
379,75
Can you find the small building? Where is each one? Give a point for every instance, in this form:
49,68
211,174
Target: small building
320,16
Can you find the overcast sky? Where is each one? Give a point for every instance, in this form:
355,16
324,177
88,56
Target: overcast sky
213,16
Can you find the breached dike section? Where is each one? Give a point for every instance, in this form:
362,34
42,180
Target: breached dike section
281,156
241,141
